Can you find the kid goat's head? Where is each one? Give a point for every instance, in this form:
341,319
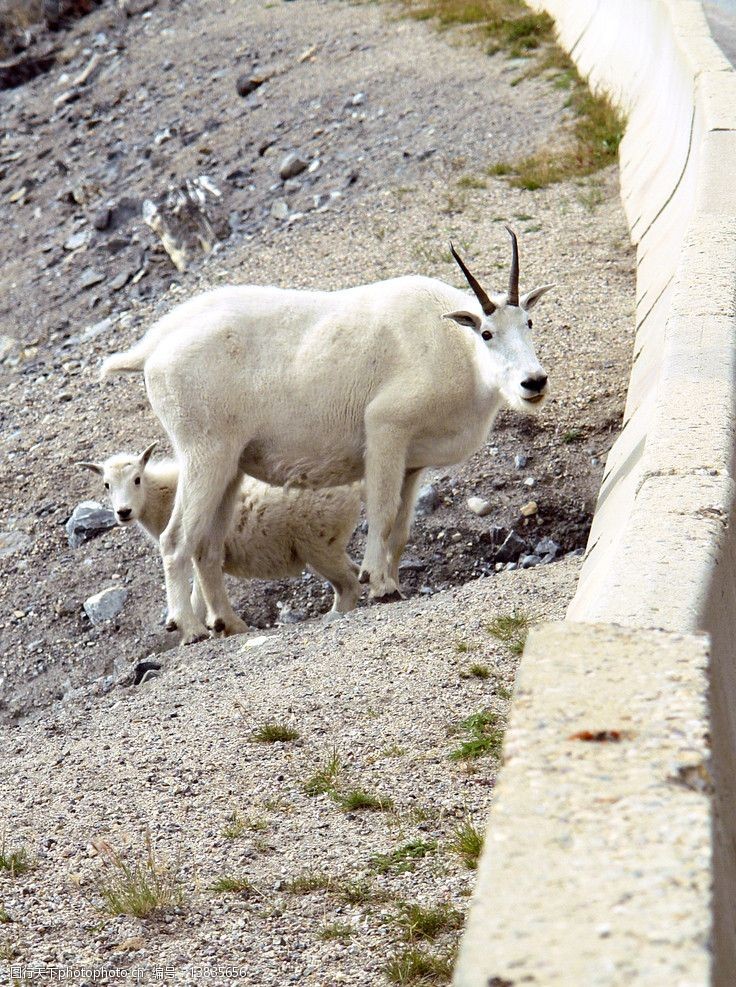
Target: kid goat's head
124,482
505,329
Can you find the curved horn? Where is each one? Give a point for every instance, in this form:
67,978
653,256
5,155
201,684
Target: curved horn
513,298
485,302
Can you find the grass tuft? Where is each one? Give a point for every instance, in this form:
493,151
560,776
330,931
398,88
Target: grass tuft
274,733
511,629
324,780
310,882
413,966
141,888
232,885
483,736
479,671
341,931
403,858
417,922
16,862
4,915
357,799
467,843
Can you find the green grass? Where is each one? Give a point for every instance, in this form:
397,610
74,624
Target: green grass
417,922
414,966
232,885
511,629
357,799
4,915
341,931
471,181
141,888
503,692
467,843
310,882
479,671
592,142
274,733
571,435
16,862
324,780
403,858
359,892
482,736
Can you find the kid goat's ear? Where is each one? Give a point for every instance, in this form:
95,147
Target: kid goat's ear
95,467
465,319
146,454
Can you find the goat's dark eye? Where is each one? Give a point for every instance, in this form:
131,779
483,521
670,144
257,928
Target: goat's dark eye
107,486
529,323
137,481
487,335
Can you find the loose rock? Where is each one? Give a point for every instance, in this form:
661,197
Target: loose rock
479,506
88,520
428,499
106,604
529,509
512,547
546,546
291,166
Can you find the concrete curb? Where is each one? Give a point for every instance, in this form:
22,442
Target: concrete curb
661,554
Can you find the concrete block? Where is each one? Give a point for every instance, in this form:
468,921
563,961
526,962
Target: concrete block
597,861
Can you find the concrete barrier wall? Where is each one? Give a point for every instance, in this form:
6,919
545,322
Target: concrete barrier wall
661,555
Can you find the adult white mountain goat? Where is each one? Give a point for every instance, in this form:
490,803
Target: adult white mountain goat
274,533
320,388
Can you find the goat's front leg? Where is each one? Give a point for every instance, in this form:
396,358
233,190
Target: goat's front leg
208,559
384,477
177,568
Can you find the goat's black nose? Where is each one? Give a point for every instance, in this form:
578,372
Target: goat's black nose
124,513
535,384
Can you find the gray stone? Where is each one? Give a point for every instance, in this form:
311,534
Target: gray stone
528,561
77,240
88,520
102,218
90,277
479,506
7,346
106,604
291,185
291,166
546,546
279,209
520,460
120,280
511,549
248,84
14,541
428,500
357,100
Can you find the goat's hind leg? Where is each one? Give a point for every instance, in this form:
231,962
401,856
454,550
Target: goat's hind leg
402,524
177,568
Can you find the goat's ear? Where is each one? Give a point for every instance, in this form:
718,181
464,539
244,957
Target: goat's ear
95,467
530,299
466,319
146,454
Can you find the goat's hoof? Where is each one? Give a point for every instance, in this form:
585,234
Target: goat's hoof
364,576
219,626
171,625
194,638
394,596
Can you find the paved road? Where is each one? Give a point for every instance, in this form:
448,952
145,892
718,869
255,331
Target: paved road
721,16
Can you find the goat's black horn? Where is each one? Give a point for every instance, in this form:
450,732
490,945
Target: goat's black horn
485,302
513,298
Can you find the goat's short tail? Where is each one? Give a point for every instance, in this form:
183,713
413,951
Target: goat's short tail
128,361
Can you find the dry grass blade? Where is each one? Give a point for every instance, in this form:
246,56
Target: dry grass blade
141,888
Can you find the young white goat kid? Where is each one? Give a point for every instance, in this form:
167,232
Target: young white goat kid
320,388
275,533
